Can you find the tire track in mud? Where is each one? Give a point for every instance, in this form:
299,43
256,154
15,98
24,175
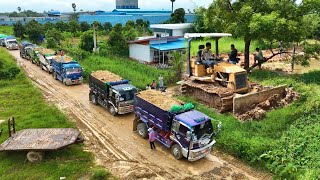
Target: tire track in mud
126,162
85,116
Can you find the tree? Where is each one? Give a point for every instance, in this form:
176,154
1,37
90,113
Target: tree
19,29
74,6
84,26
98,25
19,9
48,26
86,42
62,26
107,27
177,61
74,26
54,35
178,16
172,1
258,20
117,43
51,43
130,33
199,24
34,31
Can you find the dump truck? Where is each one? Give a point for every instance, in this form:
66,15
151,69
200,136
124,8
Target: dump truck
45,59
226,86
23,49
66,70
188,132
112,92
11,43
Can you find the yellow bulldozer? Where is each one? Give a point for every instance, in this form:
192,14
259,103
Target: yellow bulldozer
224,87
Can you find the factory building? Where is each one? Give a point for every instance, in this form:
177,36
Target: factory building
127,4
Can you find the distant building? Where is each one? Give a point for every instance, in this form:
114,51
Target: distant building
156,49
127,4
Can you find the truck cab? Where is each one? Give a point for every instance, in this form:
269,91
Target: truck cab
12,44
45,57
112,92
68,71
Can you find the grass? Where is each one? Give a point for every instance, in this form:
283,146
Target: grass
8,30
287,139
138,73
19,98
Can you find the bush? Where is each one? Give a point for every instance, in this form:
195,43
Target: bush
51,43
86,42
100,174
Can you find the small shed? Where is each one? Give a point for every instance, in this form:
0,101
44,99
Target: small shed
156,49
163,30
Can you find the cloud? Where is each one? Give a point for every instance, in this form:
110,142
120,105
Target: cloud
107,5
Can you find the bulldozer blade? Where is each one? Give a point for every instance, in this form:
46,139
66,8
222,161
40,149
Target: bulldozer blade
243,102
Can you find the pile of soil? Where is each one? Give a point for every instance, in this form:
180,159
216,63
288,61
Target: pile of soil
47,51
158,99
66,59
274,102
106,76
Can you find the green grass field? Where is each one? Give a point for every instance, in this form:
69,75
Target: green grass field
8,30
138,73
291,134
19,98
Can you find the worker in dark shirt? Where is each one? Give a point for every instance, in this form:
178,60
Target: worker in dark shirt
199,54
233,55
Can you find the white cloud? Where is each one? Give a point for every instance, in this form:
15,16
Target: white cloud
107,5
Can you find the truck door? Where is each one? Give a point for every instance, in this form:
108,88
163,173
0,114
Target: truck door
180,133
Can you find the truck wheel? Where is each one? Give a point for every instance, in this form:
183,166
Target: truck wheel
142,130
112,110
55,75
34,156
176,151
93,98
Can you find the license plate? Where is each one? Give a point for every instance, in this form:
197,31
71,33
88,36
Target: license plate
76,81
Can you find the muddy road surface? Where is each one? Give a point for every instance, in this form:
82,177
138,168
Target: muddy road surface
121,150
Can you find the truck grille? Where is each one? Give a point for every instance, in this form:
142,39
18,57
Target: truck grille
241,80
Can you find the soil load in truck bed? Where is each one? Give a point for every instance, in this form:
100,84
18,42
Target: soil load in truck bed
47,51
66,59
106,76
158,99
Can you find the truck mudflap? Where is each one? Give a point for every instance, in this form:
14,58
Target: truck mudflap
197,154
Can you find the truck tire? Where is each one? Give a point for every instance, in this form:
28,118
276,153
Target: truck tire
176,151
93,98
34,156
112,110
142,130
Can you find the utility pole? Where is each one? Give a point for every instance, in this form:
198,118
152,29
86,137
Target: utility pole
94,38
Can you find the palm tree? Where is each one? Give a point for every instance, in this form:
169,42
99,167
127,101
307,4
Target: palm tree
74,6
172,1
19,9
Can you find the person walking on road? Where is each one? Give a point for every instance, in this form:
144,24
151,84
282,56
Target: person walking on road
152,138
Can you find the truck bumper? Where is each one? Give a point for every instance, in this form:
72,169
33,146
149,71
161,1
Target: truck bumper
197,154
73,82
125,109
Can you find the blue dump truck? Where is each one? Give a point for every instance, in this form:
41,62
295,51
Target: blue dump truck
66,70
112,92
189,133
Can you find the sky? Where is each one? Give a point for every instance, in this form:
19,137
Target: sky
106,5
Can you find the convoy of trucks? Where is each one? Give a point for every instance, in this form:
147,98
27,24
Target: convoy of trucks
188,132
66,70
112,92
11,43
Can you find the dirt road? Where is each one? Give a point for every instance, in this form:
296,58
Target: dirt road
121,150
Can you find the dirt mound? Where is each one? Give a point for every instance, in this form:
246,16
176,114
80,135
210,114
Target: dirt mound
66,59
106,76
47,51
274,102
159,99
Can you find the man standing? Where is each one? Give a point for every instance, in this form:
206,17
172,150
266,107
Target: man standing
233,55
152,138
160,82
258,58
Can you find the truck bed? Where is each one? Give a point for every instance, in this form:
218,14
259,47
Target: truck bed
158,99
67,59
40,139
106,76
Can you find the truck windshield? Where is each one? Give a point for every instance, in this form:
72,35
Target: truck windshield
73,70
127,95
12,42
202,129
